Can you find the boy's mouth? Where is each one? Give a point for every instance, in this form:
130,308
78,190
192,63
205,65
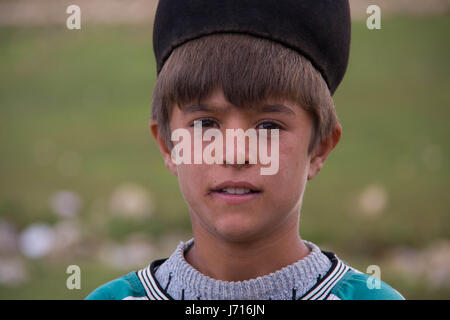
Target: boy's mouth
235,192
236,187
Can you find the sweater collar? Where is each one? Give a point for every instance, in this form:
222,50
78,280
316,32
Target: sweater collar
323,266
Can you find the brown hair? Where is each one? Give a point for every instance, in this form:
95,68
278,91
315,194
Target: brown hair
249,70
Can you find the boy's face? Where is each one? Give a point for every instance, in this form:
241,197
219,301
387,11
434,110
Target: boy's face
275,201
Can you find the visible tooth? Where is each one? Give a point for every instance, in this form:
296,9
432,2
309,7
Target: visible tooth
236,190
241,190
229,190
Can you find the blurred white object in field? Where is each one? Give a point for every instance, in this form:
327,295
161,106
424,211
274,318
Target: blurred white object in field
430,264
12,271
65,203
131,200
37,240
136,252
373,200
68,234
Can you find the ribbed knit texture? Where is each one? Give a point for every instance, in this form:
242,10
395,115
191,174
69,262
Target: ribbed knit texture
182,281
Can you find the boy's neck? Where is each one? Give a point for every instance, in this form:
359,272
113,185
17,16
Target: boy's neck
240,261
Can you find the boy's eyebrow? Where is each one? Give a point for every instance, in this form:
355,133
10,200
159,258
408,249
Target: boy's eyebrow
270,108
266,108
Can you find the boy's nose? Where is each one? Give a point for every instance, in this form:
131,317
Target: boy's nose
236,159
237,149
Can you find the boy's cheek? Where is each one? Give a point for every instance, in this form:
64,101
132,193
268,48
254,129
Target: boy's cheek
192,177
291,162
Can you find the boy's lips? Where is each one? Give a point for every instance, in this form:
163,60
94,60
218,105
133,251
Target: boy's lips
235,191
236,185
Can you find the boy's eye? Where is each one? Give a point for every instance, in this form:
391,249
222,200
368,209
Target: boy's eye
206,123
269,125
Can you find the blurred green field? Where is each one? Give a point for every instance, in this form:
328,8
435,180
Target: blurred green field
74,110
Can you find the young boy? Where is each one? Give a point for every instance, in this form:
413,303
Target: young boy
255,64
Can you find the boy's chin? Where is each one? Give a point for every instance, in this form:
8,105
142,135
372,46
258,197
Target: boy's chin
238,230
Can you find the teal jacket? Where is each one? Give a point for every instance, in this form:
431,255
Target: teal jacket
341,282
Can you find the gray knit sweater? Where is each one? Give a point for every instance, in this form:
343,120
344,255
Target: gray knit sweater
182,281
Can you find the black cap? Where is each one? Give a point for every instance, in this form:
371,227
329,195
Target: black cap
317,29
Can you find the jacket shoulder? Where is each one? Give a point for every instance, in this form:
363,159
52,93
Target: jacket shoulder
356,285
127,287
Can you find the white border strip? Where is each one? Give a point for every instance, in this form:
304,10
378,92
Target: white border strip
154,285
325,294
330,281
323,283
144,284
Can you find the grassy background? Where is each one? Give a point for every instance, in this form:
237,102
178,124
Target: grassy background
89,92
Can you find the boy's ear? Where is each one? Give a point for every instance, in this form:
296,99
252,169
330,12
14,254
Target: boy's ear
321,152
163,148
